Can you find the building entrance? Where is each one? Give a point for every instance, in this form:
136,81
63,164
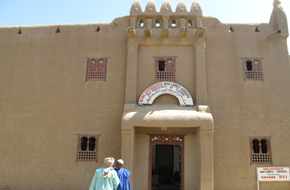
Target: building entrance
166,167
166,163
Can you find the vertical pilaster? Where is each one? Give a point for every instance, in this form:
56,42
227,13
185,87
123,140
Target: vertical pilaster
182,23
133,21
131,77
148,23
127,150
201,82
165,21
199,21
165,32
206,159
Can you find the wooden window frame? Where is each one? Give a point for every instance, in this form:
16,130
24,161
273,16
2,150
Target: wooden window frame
90,155
167,139
165,75
96,75
253,74
260,158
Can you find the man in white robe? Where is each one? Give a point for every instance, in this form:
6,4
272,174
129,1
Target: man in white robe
106,177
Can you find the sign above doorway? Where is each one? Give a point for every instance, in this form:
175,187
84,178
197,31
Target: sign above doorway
160,88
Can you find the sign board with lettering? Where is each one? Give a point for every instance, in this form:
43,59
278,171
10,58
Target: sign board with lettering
274,173
151,93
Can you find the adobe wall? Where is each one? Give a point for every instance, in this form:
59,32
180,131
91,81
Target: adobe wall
45,102
243,109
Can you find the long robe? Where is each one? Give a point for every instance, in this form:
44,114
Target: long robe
123,175
101,183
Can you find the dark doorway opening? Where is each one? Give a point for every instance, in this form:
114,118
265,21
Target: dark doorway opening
166,167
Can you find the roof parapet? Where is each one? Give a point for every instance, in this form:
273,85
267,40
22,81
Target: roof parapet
166,9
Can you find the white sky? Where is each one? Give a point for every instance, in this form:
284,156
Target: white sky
35,12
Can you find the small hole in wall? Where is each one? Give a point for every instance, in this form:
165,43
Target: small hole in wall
57,30
98,29
19,31
157,23
189,23
173,24
257,29
141,23
231,29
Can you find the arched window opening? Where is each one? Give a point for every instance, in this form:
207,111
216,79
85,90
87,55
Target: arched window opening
264,146
173,23
256,147
260,150
92,143
87,147
249,65
189,24
161,65
157,24
84,142
141,23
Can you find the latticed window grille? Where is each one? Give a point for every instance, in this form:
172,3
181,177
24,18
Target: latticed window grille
165,68
87,148
255,75
96,69
260,150
253,69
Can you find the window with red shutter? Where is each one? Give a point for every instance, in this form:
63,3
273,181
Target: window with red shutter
253,69
165,68
96,69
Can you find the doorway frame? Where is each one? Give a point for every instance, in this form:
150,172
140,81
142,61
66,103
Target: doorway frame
165,139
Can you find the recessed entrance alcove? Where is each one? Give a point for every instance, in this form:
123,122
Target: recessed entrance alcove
147,131
162,152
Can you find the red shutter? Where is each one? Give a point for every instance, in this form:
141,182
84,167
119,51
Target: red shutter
101,65
92,66
256,65
169,65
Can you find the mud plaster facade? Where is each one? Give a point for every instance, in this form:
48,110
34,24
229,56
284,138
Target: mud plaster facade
46,100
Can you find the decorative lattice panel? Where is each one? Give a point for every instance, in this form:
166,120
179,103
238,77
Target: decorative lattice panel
96,75
168,75
255,75
165,138
86,155
261,158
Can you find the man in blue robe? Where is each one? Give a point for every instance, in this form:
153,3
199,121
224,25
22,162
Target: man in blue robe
123,175
106,177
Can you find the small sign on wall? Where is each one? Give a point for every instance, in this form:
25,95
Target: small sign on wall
275,173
